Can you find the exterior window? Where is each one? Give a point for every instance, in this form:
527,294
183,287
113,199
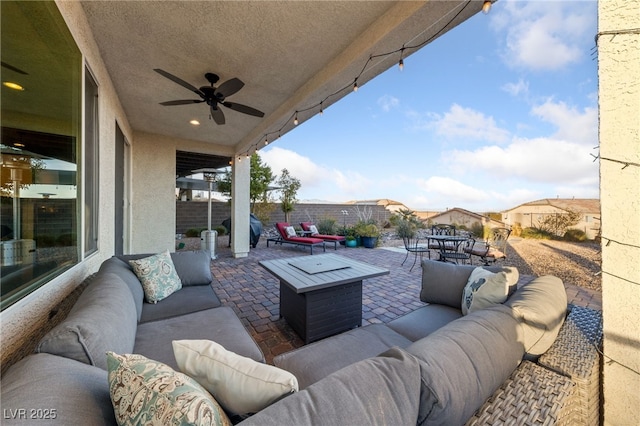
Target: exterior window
40,135
91,164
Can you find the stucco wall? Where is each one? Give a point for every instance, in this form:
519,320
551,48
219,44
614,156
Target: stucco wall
619,104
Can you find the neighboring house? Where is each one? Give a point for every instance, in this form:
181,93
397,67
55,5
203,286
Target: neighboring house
530,214
462,217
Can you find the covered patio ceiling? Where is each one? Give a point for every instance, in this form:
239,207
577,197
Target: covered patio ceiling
293,56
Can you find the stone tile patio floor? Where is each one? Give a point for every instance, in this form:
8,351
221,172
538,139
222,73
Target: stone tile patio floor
253,292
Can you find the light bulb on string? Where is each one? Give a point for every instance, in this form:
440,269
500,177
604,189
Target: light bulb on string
486,7
355,85
321,109
266,141
401,62
295,119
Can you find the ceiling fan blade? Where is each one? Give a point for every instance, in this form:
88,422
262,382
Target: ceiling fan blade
182,102
244,109
217,115
229,87
12,68
179,81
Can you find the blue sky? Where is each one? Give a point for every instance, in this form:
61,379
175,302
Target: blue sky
499,111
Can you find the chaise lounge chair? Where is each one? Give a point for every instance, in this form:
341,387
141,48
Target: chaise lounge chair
310,227
288,236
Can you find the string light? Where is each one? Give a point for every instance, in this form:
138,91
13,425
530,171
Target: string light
486,7
266,141
293,118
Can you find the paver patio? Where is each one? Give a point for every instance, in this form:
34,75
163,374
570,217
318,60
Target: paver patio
254,293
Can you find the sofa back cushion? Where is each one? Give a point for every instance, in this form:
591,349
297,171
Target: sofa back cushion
383,390
122,268
103,319
464,362
60,389
443,283
541,308
193,267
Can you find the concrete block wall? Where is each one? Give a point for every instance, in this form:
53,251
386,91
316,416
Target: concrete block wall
193,214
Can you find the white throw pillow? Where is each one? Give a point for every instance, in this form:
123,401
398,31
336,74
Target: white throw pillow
240,384
314,230
290,230
484,289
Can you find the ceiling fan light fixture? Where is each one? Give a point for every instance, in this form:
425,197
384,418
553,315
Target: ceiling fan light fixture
194,122
12,85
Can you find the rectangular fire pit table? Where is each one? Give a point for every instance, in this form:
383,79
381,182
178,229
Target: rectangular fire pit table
321,295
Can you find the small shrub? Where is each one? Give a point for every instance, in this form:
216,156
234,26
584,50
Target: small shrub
537,234
221,230
192,232
326,226
477,229
575,235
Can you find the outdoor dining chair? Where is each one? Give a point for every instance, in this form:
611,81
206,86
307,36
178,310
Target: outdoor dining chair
412,245
440,229
493,249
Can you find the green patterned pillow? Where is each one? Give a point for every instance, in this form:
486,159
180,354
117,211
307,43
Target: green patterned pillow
144,391
158,276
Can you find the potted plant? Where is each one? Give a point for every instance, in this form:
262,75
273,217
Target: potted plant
369,234
350,241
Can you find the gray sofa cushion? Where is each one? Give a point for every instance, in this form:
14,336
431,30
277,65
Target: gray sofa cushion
464,362
193,267
79,393
221,325
103,319
424,321
376,391
125,272
541,307
313,362
442,283
184,301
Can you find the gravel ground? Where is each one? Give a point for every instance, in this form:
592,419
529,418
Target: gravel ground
575,263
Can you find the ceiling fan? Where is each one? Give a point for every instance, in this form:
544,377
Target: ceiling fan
213,96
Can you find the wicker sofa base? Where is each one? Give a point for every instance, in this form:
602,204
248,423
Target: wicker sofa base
563,388
532,395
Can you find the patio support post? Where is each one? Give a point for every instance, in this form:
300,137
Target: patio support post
240,207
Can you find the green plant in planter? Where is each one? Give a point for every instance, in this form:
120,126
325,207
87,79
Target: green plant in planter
350,241
369,234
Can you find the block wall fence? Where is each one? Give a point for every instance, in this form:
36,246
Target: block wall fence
193,214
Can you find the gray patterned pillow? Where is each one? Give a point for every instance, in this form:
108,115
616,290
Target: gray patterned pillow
158,276
484,289
144,391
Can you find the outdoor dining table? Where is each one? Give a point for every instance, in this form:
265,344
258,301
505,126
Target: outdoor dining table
449,247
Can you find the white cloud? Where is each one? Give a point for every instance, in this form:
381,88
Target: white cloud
537,160
521,87
312,176
544,35
466,123
573,125
388,102
453,189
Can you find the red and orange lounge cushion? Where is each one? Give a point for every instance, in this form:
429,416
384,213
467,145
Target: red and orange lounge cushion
308,226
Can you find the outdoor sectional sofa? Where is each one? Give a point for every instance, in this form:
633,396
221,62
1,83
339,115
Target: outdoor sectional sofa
531,357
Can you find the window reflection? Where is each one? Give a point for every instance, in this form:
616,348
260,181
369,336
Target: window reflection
39,142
